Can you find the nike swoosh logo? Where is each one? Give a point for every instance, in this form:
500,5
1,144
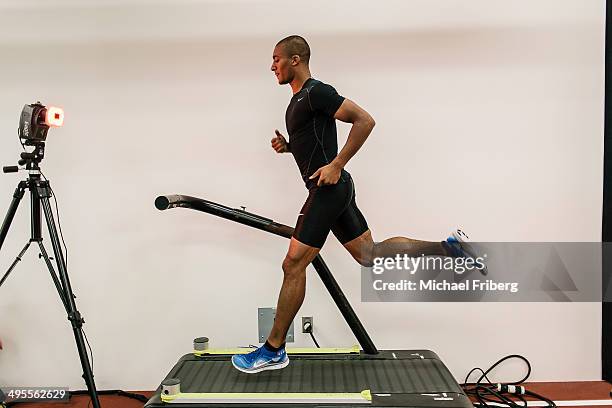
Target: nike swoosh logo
299,99
262,363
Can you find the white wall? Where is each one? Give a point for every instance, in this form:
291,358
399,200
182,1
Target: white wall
489,116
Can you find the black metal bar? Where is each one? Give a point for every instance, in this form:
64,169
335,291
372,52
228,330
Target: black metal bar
8,219
54,278
232,214
367,345
268,225
15,262
36,216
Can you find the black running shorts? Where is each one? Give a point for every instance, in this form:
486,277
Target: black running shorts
330,208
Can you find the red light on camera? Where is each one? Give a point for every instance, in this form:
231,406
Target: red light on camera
54,116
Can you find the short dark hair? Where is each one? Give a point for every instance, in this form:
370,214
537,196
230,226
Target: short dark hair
296,45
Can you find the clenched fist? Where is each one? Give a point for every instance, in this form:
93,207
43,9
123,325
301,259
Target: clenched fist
279,143
328,175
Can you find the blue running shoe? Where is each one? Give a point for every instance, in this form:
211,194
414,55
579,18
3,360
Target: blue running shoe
260,359
459,244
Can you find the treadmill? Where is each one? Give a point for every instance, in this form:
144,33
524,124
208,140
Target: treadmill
362,376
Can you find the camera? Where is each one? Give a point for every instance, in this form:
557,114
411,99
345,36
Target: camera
36,119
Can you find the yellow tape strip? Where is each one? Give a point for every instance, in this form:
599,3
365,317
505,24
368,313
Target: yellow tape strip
363,395
297,350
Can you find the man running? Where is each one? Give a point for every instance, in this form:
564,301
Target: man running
311,124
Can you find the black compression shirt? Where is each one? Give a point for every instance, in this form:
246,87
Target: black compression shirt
311,127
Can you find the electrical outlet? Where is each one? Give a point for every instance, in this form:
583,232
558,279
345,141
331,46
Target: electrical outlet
307,320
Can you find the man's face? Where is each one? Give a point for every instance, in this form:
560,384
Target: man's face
282,65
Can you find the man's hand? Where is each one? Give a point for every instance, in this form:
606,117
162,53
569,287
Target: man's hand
329,174
279,143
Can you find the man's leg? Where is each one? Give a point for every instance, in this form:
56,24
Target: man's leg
293,289
351,229
319,212
353,232
272,355
364,250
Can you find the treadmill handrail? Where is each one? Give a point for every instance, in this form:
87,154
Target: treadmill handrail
266,224
220,210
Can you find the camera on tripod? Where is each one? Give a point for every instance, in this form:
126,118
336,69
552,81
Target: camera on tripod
34,123
36,119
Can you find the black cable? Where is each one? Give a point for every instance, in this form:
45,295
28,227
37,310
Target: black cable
476,369
510,394
61,234
92,358
59,222
89,346
315,340
119,393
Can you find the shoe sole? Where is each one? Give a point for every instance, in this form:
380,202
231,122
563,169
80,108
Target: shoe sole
469,249
264,368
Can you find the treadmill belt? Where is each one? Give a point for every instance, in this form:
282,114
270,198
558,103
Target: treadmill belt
320,376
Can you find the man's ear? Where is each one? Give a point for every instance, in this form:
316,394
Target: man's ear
295,59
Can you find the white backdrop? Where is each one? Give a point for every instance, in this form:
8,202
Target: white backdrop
489,116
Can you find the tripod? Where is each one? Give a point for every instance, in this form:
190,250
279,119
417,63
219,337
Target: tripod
40,192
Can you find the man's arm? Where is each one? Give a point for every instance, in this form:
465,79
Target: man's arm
363,123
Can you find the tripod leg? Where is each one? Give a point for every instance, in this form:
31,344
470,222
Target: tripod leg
10,269
56,281
6,224
73,314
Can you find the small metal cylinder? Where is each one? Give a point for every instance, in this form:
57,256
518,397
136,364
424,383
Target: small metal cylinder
200,344
171,386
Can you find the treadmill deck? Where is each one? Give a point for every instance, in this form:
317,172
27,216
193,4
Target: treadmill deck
400,378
